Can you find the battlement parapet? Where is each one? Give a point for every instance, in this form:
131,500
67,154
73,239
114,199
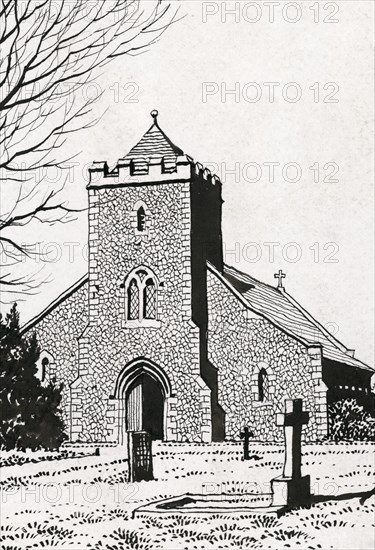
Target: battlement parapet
156,169
140,171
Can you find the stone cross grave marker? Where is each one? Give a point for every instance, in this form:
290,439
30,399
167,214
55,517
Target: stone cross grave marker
140,456
293,419
245,435
291,489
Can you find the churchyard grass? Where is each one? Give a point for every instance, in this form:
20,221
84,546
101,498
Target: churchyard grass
86,502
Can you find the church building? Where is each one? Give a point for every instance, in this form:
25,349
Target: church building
161,335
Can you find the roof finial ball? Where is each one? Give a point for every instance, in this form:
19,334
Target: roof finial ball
154,115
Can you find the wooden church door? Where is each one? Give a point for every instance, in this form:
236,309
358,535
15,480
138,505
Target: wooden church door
134,407
145,407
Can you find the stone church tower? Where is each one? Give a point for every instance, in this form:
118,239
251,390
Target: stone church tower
154,222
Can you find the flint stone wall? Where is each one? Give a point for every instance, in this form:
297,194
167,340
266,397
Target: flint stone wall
239,345
57,334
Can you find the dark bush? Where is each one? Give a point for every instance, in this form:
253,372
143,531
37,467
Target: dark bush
29,411
349,421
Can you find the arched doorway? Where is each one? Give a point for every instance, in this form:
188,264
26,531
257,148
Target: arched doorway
143,390
144,400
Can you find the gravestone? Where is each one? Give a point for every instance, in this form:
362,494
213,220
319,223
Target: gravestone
140,456
245,435
292,489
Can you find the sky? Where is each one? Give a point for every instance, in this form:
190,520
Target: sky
280,106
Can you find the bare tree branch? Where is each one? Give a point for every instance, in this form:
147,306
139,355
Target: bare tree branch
50,50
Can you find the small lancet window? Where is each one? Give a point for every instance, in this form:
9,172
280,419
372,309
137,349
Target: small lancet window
45,365
263,385
141,219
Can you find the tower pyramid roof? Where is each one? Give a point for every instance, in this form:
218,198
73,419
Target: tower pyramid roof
154,143
155,158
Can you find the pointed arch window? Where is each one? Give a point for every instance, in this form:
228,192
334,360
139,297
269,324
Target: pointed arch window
133,299
45,366
141,296
263,385
141,219
149,300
